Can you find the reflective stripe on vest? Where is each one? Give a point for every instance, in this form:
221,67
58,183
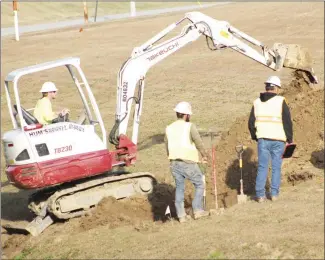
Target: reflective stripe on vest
271,119
180,145
268,116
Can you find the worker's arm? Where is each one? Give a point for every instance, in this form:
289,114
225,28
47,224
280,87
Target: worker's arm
287,123
196,138
166,144
251,124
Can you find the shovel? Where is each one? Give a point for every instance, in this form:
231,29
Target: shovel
241,198
202,166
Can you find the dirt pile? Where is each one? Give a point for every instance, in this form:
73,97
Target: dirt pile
115,213
307,111
132,211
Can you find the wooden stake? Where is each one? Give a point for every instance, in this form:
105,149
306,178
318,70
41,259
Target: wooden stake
95,16
214,172
15,10
85,12
132,9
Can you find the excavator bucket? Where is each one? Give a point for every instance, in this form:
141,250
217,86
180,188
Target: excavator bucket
295,57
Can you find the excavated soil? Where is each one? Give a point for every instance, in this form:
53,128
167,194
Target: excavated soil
307,112
135,211
308,121
219,93
113,213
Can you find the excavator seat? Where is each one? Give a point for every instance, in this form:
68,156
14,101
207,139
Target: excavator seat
28,117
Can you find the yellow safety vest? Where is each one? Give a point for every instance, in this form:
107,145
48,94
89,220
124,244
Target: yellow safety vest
180,145
43,111
268,116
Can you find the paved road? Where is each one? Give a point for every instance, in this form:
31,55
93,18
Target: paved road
70,23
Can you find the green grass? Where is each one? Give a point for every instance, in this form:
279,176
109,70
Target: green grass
45,12
216,255
23,254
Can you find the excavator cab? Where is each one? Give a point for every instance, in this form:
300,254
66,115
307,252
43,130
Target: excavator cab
44,155
67,163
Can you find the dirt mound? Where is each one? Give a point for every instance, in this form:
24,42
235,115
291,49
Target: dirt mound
132,211
12,244
307,111
115,213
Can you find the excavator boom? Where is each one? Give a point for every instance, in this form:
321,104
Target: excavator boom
221,35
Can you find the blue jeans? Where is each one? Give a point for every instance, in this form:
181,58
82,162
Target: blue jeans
181,171
267,149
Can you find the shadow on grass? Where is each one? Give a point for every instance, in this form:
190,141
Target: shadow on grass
14,206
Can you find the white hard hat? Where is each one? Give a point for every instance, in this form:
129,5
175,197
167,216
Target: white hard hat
274,80
183,108
48,87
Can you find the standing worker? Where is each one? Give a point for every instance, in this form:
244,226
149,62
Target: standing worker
271,126
183,143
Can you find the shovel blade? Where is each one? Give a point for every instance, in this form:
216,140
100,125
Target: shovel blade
241,199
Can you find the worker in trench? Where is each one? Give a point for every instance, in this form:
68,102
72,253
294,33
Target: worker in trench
183,144
43,110
271,126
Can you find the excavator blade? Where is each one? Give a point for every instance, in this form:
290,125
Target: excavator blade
295,57
38,225
35,227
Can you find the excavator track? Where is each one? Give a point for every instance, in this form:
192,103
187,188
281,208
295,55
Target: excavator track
78,199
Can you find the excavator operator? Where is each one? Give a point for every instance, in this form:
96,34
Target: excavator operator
43,110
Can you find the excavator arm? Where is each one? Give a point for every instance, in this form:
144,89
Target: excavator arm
219,34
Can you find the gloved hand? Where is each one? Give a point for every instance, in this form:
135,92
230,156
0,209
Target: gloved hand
64,112
204,160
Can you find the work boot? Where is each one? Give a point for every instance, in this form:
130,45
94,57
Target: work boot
184,219
274,198
260,199
200,214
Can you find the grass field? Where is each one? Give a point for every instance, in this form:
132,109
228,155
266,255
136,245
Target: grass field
44,12
221,86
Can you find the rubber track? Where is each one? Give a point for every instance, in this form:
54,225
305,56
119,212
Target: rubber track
87,185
